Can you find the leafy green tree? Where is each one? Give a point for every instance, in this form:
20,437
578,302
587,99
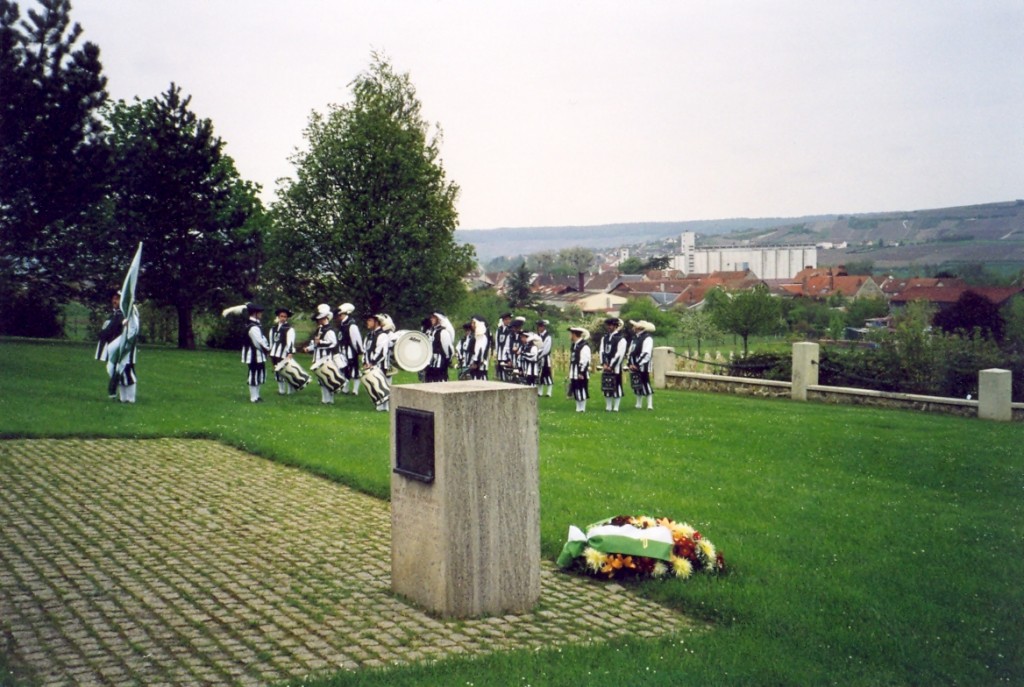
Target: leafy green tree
176,191
631,265
912,342
659,262
53,162
370,216
745,313
1013,316
543,261
699,326
643,308
517,287
807,317
972,314
862,309
575,260
837,325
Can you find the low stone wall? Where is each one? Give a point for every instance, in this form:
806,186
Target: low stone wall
885,399
743,386
696,381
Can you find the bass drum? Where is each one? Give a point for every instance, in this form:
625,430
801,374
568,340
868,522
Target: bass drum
291,372
328,374
412,350
376,384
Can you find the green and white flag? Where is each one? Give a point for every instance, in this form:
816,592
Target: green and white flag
120,351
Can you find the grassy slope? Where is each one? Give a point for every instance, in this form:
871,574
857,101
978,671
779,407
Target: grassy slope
866,546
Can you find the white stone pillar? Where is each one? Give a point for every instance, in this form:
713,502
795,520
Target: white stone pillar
663,359
465,532
995,391
805,368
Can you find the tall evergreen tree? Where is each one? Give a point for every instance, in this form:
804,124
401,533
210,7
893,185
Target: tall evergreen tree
53,161
370,217
517,287
176,191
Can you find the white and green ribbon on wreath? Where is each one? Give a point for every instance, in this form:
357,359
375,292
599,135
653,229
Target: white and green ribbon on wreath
650,542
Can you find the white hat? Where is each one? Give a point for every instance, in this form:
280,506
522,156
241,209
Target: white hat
386,323
643,324
581,331
346,308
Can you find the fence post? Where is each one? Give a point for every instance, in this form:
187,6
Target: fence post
995,389
805,368
663,359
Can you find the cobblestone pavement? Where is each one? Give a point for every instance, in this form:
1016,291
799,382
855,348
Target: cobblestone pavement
188,562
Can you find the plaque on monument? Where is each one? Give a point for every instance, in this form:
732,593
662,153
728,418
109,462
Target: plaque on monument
414,444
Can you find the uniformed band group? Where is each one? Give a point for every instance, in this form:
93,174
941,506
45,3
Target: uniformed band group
343,359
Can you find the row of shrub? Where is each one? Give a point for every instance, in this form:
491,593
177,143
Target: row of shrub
941,365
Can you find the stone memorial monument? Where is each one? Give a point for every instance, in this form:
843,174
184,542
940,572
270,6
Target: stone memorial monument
465,501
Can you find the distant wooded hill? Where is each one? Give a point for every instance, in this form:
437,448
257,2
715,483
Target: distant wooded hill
988,233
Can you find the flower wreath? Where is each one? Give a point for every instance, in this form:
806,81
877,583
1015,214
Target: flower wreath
639,547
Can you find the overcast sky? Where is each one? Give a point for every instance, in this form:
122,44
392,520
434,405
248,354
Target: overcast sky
597,112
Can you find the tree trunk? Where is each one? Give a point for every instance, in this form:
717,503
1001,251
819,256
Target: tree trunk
186,336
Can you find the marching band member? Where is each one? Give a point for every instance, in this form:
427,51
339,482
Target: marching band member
579,367
481,349
528,358
641,353
510,350
464,349
282,346
501,335
442,336
127,381
613,355
350,348
546,379
377,355
254,351
323,346
113,327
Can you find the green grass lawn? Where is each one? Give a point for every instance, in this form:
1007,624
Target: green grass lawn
864,546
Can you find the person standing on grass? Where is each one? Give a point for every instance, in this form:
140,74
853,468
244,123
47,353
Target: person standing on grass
122,384
377,360
641,355
613,355
501,334
255,350
442,342
528,358
112,328
509,353
479,349
323,347
282,346
579,367
464,351
546,379
350,348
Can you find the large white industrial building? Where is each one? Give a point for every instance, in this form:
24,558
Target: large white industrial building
767,262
